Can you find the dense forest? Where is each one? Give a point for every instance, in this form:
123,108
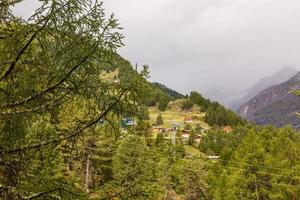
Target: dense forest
64,93
169,91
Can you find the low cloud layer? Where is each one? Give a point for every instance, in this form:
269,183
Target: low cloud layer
198,44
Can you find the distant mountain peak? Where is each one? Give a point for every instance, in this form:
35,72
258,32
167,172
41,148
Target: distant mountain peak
287,68
295,78
286,71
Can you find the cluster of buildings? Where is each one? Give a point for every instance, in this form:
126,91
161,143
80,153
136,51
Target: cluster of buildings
175,129
185,134
172,132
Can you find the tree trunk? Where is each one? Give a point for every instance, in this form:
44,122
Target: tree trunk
87,172
256,190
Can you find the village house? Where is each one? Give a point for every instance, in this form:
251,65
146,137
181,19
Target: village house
185,134
198,138
214,157
227,129
159,129
188,120
176,125
127,122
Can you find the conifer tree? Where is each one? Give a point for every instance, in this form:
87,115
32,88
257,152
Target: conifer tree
132,168
159,120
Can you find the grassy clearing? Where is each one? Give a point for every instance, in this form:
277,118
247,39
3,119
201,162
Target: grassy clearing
194,152
174,114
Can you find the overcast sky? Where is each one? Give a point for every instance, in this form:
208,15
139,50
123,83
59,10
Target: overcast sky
198,44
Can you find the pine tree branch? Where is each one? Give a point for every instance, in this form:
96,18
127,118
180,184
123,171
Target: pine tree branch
62,80
41,194
18,57
53,87
31,110
75,134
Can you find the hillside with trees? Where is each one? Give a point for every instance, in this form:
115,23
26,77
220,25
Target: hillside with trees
254,163
216,114
160,96
169,91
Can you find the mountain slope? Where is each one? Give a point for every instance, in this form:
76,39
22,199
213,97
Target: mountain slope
275,105
279,77
168,91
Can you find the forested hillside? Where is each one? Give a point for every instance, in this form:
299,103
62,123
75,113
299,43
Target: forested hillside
78,122
169,91
254,163
157,97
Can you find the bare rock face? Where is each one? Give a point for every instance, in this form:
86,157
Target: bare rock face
276,105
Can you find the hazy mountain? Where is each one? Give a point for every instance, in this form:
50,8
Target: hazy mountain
278,77
275,105
222,95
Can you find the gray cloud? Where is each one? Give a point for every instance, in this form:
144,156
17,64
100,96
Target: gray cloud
197,44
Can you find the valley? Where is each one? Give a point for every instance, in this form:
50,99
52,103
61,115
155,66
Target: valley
80,119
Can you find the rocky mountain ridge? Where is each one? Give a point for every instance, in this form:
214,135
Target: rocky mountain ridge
276,105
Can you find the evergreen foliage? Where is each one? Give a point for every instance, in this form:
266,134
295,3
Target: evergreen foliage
54,90
216,114
191,139
64,92
159,120
163,103
132,169
174,94
187,105
143,113
157,97
255,163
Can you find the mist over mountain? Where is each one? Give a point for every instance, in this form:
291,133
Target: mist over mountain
278,77
276,105
234,99
223,95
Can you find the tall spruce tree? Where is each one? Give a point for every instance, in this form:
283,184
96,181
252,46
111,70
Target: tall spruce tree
159,120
